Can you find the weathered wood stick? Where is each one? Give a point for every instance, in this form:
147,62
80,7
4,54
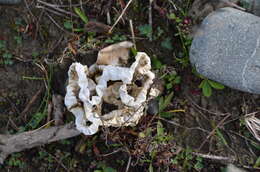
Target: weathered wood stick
15,143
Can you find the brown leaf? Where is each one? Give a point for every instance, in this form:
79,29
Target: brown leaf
96,150
93,26
72,48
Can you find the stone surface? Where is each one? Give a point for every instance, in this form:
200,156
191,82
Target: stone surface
153,107
227,49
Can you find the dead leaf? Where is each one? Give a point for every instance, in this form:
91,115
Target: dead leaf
96,150
97,27
72,48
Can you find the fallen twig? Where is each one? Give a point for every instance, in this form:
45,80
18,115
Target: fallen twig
29,105
121,15
56,7
132,32
61,28
15,143
213,131
150,15
128,164
225,160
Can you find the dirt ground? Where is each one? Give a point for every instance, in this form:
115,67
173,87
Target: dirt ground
37,45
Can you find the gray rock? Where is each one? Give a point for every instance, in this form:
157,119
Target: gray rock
227,49
153,107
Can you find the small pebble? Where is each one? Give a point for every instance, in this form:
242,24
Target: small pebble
153,107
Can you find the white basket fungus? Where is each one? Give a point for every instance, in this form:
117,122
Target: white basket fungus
109,82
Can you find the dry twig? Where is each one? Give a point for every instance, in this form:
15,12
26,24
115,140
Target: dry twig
29,105
213,131
15,143
121,15
132,32
225,160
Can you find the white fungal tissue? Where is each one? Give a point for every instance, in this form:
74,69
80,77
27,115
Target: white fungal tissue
109,82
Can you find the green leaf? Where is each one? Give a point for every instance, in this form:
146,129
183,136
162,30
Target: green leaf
81,15
156,63
78,30
159,33
160,129
206,89
216,85
166,102
2,44
36,119
109,41
257,146
109,169
175,160
133,51
68,24
35,54
7,55
141,135
202,83
257,163
146,30
166,115
198,165
18,39
177,80
150,167
168,86
172,16
222,138
167,44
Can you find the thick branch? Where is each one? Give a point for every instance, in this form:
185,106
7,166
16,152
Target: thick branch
26,140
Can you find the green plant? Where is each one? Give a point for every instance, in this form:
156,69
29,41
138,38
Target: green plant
207,85
2,44
81,14
159,32
156,63
18,40
199,163
45,156
7,57
182,24
166,43
146,30
41,112
171,80
185,159
116,38
161,136
35,120
102,167
165,101
68,24
15,160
